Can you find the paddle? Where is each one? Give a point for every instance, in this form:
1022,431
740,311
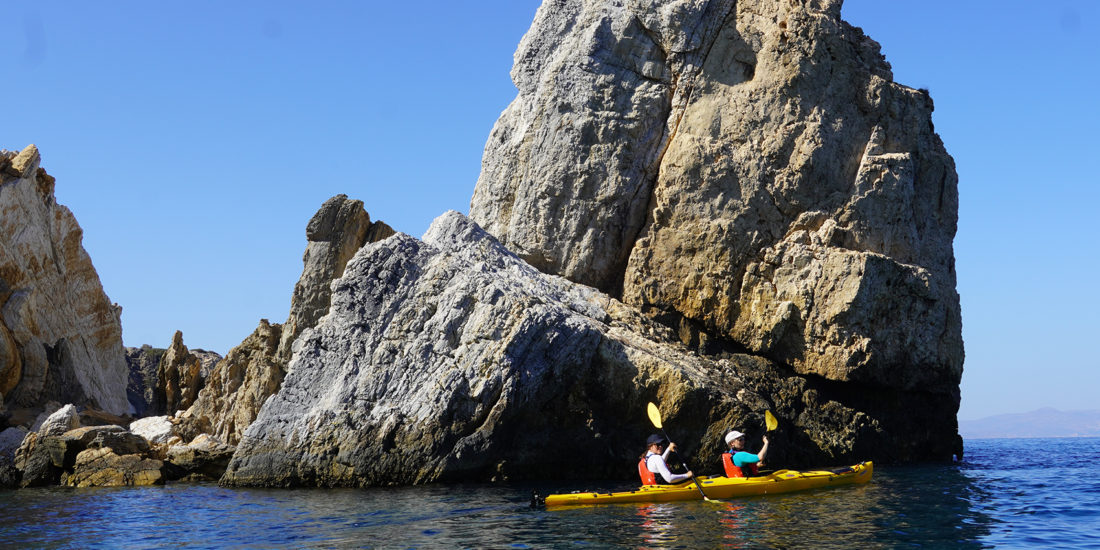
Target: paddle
769,421
655,418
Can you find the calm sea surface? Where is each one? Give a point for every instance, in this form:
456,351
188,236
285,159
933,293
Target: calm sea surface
997,497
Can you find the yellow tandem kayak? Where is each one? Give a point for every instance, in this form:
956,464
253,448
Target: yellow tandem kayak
780,481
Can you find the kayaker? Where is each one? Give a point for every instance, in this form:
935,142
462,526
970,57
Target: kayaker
653,462
738,462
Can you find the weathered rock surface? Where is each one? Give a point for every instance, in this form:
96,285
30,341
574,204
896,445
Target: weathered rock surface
339,228
64,419
103,467
157,430
253,371
203,459
179,378
452,359
237,387
745,171
60,336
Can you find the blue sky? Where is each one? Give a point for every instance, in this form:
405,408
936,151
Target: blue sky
193,141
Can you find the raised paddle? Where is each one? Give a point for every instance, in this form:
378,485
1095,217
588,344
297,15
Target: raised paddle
769,421
655,418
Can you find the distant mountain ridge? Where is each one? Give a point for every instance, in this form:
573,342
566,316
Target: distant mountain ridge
1045,422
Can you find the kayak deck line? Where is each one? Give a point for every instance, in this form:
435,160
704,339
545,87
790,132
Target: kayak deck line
720,487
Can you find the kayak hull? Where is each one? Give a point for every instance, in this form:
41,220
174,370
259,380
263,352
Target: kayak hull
781,481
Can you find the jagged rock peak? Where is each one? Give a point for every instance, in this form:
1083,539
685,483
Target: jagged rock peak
179,378
339,228
746,171
254,370
60,336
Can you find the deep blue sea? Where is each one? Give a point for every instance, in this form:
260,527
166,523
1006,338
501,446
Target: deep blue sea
1033,493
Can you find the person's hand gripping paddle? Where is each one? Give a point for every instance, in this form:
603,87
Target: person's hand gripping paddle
655,418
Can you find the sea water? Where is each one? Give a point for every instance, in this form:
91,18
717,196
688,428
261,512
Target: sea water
1035,493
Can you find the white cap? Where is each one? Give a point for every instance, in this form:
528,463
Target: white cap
733,435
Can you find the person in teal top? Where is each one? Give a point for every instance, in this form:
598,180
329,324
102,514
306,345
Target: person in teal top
741,463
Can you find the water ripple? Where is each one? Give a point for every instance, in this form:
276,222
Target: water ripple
991,499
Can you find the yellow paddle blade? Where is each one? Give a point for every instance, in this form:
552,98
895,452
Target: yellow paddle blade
770,421
654,415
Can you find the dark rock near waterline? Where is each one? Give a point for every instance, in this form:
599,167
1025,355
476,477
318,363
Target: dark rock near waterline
142,385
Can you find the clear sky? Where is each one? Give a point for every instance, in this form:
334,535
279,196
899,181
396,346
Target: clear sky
194,140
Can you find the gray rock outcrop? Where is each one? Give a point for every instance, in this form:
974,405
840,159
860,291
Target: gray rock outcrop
254,370
339,228
59,422
60,336
10,440
453,359
745,171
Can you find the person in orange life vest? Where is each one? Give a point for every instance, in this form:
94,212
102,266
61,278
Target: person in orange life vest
653,462
738,462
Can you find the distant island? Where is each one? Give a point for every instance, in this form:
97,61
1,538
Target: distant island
1045,422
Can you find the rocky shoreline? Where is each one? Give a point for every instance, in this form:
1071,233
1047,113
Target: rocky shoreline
722,207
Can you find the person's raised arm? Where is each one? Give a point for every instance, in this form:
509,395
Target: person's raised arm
763,450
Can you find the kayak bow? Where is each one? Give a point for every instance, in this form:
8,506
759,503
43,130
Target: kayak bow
780,481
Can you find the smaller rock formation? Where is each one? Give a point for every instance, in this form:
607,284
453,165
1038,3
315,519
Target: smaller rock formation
142,386
63,453
64,419
179,378
102,467
157,430
238,386
145,383
203,459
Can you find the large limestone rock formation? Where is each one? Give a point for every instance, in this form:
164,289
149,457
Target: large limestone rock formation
745,171
453,359
253,371
60,336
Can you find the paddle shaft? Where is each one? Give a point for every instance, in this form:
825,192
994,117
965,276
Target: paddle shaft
684,464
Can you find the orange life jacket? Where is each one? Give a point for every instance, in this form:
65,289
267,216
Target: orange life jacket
648,477
732,470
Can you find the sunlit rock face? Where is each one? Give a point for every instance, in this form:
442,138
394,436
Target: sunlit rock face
747,172
60,336
450,358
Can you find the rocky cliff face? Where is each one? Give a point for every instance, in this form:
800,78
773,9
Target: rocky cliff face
748,172
60,336
254,370
453,359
